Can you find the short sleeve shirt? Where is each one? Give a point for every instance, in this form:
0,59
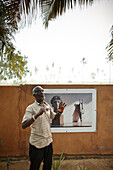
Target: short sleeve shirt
40,129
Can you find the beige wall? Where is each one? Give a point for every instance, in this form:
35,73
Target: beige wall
13,101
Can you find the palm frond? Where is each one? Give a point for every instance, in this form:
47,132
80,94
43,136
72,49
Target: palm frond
12,10
50,9
9,12
109,49
85,2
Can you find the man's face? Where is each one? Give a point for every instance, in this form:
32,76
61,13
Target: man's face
39,94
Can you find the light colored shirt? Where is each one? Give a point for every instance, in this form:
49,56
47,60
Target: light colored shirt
40,129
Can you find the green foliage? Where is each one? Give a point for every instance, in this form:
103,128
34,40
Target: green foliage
56,166
83,168
8,21
12,64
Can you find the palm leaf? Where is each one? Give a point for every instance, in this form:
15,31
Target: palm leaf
11,11
50,9
109,49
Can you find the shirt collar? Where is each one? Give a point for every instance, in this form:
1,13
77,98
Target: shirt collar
40,104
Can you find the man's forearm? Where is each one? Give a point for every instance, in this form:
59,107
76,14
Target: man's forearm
29,121
57,116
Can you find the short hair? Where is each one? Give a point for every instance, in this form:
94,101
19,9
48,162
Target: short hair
55,98
35,89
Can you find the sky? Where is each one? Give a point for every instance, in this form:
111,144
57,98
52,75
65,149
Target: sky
77,34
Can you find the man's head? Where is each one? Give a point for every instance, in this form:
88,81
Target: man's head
38,93
55,101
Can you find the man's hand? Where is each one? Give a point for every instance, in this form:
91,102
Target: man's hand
43,109
62,105
29,121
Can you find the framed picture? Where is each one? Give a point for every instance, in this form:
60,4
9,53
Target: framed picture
79,115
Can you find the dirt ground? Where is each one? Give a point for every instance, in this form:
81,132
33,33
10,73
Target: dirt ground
104,163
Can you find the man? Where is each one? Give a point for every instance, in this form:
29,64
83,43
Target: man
37,116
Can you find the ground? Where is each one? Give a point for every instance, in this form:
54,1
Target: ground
96,163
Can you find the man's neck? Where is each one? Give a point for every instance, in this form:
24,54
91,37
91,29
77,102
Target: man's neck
40,101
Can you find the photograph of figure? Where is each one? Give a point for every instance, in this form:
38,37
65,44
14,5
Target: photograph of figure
55,101
80,110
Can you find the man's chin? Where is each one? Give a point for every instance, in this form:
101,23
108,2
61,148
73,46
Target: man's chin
43,98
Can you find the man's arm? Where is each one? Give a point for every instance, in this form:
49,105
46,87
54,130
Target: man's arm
29,121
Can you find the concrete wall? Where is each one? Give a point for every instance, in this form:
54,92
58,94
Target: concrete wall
13,102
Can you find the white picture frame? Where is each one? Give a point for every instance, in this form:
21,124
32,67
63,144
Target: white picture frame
85,99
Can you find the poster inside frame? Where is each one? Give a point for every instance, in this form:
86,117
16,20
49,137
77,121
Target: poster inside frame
79,114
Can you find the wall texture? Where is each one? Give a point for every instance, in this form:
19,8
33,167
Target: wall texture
13,102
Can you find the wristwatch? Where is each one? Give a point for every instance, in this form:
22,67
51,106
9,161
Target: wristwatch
34,118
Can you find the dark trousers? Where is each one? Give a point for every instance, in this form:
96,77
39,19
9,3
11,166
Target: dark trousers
38,155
